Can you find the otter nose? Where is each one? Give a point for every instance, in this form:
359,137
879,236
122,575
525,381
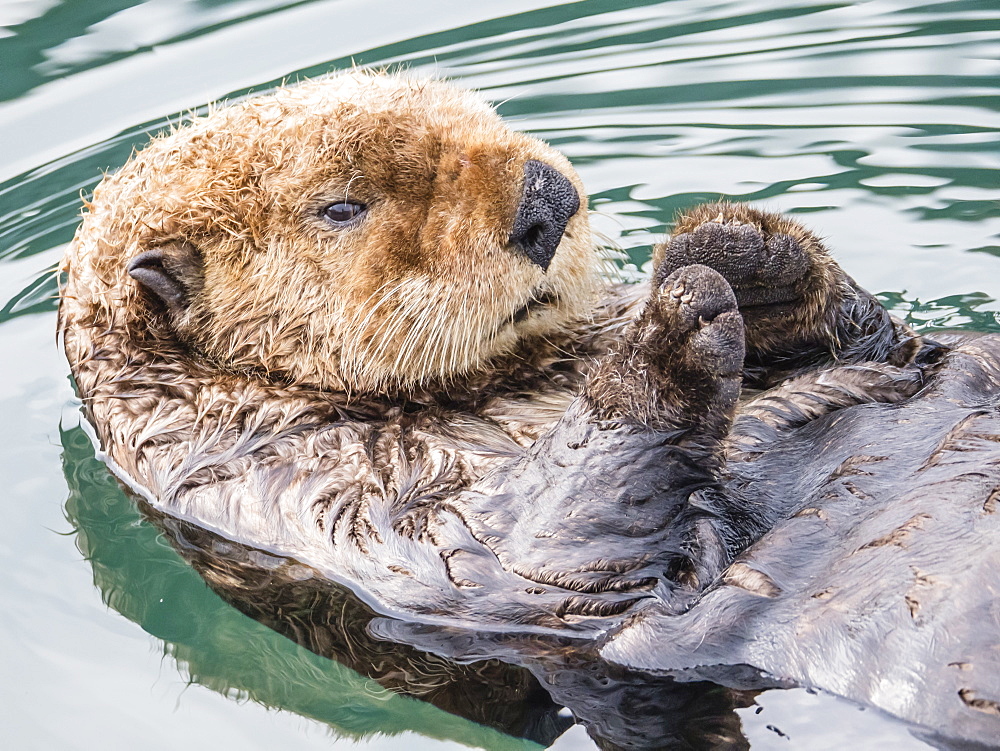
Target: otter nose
547,202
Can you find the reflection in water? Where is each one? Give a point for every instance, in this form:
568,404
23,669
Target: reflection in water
140,577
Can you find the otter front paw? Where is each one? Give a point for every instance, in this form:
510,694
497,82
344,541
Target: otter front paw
779,271
799,307
700,324
679,363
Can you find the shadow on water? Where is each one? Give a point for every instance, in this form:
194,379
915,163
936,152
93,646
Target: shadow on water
141,565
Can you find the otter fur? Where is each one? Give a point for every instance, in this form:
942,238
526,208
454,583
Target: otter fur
360,322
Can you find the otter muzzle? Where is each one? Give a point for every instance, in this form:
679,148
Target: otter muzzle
548,200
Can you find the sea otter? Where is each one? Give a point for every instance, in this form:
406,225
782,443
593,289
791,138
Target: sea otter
360,322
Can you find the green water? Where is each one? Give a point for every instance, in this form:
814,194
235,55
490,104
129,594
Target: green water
876,121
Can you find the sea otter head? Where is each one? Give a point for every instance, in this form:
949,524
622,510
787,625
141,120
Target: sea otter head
361,232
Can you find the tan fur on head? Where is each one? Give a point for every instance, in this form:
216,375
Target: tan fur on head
425,288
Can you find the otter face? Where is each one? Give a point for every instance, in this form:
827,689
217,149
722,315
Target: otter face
362,232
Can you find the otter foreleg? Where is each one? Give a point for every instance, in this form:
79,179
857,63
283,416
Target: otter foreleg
623,496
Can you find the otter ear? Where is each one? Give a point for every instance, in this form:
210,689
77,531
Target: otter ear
171,272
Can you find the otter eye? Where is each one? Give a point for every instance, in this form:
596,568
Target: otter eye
343,212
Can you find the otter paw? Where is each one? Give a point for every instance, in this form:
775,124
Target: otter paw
799,308
680,362
702,325
768,260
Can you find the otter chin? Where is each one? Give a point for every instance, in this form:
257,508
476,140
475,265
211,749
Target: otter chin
360,322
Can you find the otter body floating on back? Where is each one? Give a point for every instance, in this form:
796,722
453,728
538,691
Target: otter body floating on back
360,322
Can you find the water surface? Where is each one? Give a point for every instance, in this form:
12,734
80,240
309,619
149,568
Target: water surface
875,121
